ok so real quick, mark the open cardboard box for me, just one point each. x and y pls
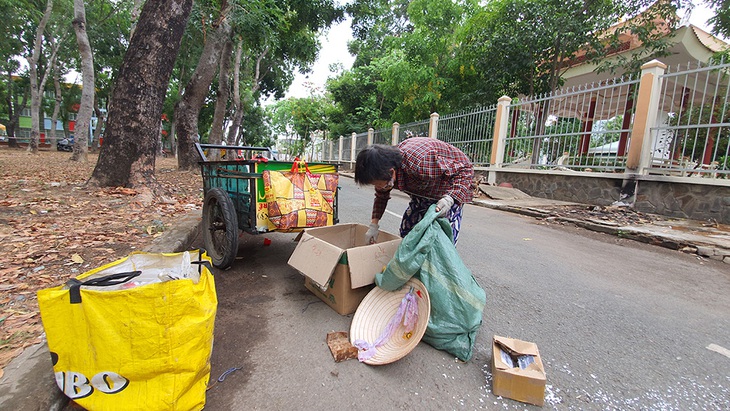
(338, 265)
(517, 370)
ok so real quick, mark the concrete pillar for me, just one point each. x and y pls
(353, 148)
(339, 150)
(647, 106)
(332, 150)
(394, 135)
(433, 125)
(501, 124)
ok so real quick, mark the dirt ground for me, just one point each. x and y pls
(53, 227)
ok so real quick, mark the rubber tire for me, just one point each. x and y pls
(220, 228)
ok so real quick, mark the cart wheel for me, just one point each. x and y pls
(220, 228)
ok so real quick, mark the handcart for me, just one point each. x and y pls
(235, 197)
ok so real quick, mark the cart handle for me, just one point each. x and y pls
(200, 147)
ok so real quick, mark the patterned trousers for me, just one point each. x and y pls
(417, 208)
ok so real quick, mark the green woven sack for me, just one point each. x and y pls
(457, 300)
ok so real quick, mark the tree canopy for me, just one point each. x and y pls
(416, 57)
(412, 58)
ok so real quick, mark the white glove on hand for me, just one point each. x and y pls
(371, 236)
(444, 205)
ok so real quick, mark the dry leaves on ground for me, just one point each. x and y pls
(607, 215)
(53, 227)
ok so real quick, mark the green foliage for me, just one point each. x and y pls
(404, 69)
(422, 56)
(255, 129)
(721, 20)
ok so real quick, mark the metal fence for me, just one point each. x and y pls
(382, 136)
(692, 133)
(347, 149)
(589, 128)
(415, 129)
(582, 128)
(472, 132)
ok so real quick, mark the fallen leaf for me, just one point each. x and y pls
(77, 259)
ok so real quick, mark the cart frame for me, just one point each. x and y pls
(232, 196)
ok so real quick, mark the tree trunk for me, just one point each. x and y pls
(238, 99)
(83, 119)
(236, 109)
(187, 109)
(36, 89)
(134, 14)
(14, 110)
(127, 157)
(173, 127)
(100, 119)
(56, 105)
(160, 144)
(221, 103)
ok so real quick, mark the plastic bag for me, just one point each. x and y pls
(457, 300)
(298, 198)
(145, 347)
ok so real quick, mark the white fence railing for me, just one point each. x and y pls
(692, 133)
(675, 123)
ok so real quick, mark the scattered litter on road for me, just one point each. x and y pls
(223, 376)
(227, 373)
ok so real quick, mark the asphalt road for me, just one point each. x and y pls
(619, 324)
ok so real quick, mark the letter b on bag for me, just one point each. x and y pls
(76, 385)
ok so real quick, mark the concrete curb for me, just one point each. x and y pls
(29, 383)
(658, 236)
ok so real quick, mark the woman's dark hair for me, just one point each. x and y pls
(374, 163)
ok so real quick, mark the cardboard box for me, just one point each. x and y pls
(517, 370)
(339, 266)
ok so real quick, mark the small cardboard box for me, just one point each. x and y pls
(517, 370)
(338, 265)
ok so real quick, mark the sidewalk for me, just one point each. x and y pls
(704, 239)
(28, 383)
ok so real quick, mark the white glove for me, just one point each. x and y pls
(371, 236)
(444, 205)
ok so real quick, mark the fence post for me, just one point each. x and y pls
(501, 121)
(353, 148)
(647, 106)
(339, 151)
(433, 125)
(371, 136)
(394, 134)
(330, 157)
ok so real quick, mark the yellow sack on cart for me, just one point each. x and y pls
(135, 334)
(298, 198)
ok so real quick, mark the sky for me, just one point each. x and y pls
(334, 50)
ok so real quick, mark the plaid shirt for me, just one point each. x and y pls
(430, 169)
